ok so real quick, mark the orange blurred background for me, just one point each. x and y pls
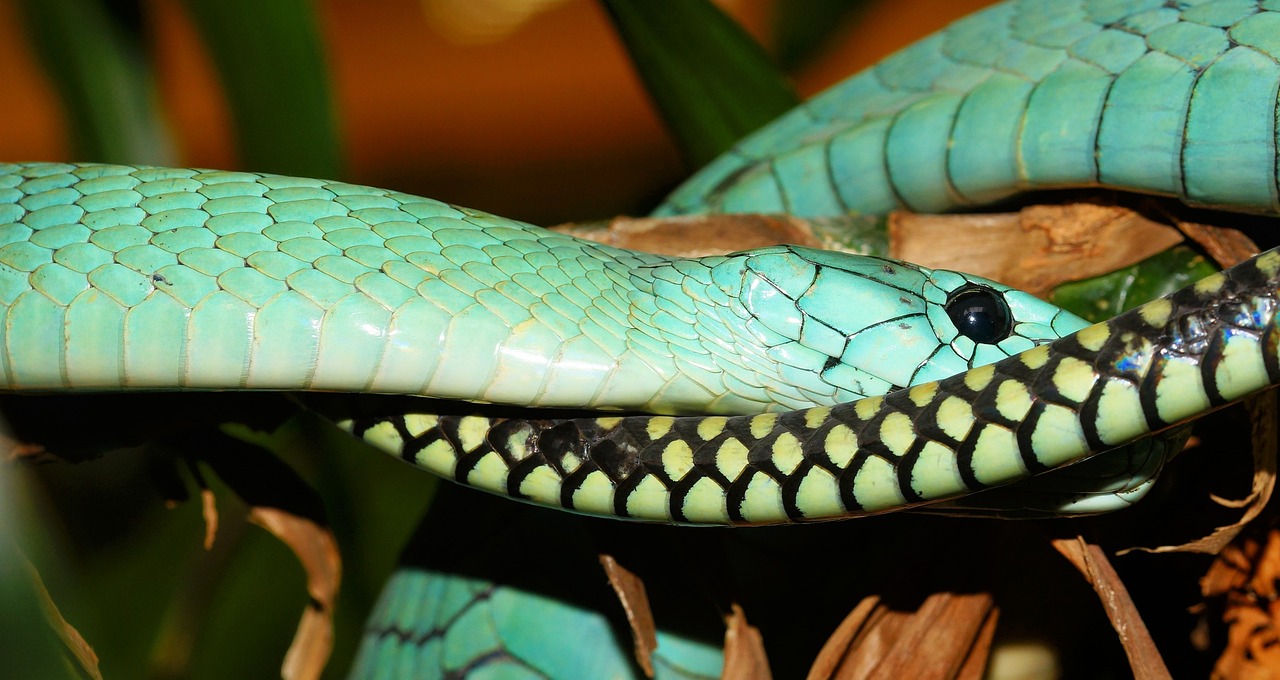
(526, 108)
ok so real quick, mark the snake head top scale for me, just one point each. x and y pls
(839, 327)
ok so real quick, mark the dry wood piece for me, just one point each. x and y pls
(698, 235)
(1228, 247)
(209, 511)
(949, 636)
(70, 637)
(317, 550)
(1265, 435)
(1034, 249)
(635, 602)
(1246, 575)
(1092, 562)
(15, 450)
(744, 656)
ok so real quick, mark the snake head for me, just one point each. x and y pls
(867, 325)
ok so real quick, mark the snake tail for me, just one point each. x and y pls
(1102, 387)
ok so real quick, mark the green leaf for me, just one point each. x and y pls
(1103, 297)
(271, 63)
(100, 73)
(802, 30)
(711, 82)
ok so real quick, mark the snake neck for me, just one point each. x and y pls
(788, 327)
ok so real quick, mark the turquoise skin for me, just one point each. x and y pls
(1092, 108)
(1026, 95)
(117, 277)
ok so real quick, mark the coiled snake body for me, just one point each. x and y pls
(115, 277)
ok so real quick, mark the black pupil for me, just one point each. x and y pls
(980, 314)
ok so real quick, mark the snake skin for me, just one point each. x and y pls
(1170, 98)
(1167, 98)
(116, 277)
(1143, 371)
(1174, 98)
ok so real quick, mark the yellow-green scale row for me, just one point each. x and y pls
(1057, 404)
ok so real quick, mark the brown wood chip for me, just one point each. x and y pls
(1034, 249)
(948, 637)
(1246, 574)
(697, 235)
(209, 511)
(635, 602)
(1092, 562)
(15, 450)
(70, 637)
(838, 646)
(744, 655)
(1228, 247)
(317, 551)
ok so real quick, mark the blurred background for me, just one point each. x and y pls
(526, 108)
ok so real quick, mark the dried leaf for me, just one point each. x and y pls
(700, 235)
(209, 511)
(744, 655)
(876, 642)
(317, 551)
(1264, 414)
(1092, 562)
(975, 664)
(635, 602)
(838, 646)
(937, 641)
(1246, 573)
(697, 235)
(15, 450)
(1228, 247)
(71, 638)
(1034, 249)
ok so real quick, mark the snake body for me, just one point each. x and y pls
(117, 277)
(1141, 372)
(1170, 98)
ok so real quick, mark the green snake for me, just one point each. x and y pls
(1139, 373)
(116, 277)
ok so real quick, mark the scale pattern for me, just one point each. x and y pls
(1171, 98)
(117, 277)
(1107, 385)
(444, 625)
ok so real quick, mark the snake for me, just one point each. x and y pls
(1139, 373)
(134, 278)
(1170, 98)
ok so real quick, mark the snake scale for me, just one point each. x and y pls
(1141, 372)
(118, 277)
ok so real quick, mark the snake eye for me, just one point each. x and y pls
(980, 314)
